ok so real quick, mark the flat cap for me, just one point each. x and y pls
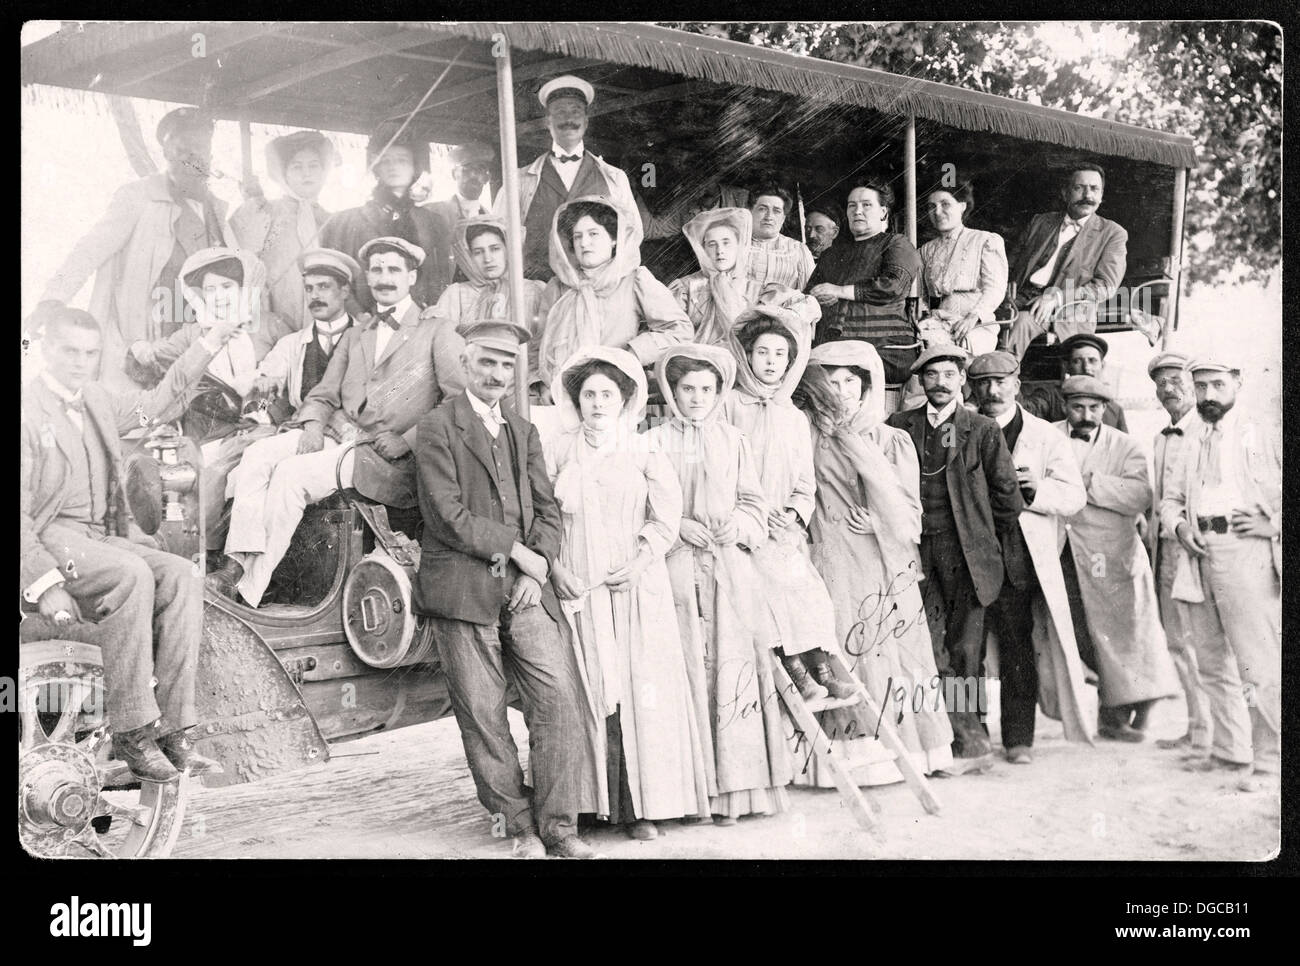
(391, 243)
(566, 85)
(993, 364)
(1214, 363)
(183, 118)
(472, 151)
(1085, 386)
(498, 334)
(1084, 338)
(953, 353)
(329, 261)
(1166, 360)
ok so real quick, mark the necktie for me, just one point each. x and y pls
(1171, 431)
(389, 318)
(1080, 434)
(1211, 473)
(1069, 228)
(567, 158)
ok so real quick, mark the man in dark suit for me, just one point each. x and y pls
(397, 160)
(491, 533)
(1067, 256)
(970, 502)
(1082, 354)
(85, 567)
(357, 425)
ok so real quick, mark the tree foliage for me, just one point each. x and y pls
(1220, 83)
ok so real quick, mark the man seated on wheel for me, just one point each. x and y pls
(355, 429)
(86, 568)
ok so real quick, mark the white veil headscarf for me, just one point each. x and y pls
(236, 364)
(493, 299)
(726, 295)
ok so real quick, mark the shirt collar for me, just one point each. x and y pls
(467, 202)
(937, 416)
(1078, 221)
(399, 310)
(482, 408)
(1004, 420)
(1187, 419)
(556, 150)
(59, 389)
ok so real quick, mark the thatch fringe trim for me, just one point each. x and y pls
(728, 62)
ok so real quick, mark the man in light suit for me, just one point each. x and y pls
(491, 534)
(1174, 390)
(85, 567)
(357, 425)
(1032, 603)
(1066, 256)
(970, 503)
(135, 251)
(1223, 501)
(565, 172)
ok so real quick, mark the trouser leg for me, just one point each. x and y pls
(539, 666)
(248, 485)
(1217, 666)
(216, 481)
(956, 619)
(1182, 649)
(1011, 618)
(471, 657)
(114, 589)
(296, 482)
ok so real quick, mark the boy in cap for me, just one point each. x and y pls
(566, 172)
(278, 231)
(1107, 574)
(139, 245)
(397, 157)
(1224, 503)
(966, 516)
(491, 534)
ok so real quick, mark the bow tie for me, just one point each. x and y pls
(77, 405)
(566, 158)
(1080, 434)
(1171, 431)
(389, 319)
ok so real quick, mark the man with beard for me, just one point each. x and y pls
(491, 535)
(970, 504)
(823, 228)
(566, 172)
(357, 427)
(1232, 741)
(397, 157)
(1067, 256)
(472, 166)
(862, 286)
(1032, 605)
(1107, 574)
(1081, 355)
(1223, 501)
(136, 250)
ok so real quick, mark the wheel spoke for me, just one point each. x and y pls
(135, 814)
(90, 743)
(76, 693)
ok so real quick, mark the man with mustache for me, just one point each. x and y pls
(357, 426)
(823, 229)
(1107, 574)
(1066, 256)
(565, 172)
(472, 168)
(136, 250)
(970, 504)
(1081, 355)
(397, 157)
(1032, 607)
(1223, 501)
(1231, 740)
(492, 533)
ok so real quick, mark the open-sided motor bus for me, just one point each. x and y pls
(337, 653)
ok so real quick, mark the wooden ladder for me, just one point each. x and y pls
(804, 714)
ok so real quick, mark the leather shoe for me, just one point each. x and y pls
(838, 689)
(1214, 763)
(572, 847)
(1120, 732)
(643, 830)
(809, 689)
(141, 754)
(1172, 744)
(724, 820)
(180, 752)
(225, 580)
(1020, 755)
(528, 845)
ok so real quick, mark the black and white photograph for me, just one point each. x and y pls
(691, 442)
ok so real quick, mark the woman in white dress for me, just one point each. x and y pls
(651, 754)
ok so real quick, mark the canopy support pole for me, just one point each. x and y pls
(514, 225)
(245, 153)
(909, 183)
(1176, 255)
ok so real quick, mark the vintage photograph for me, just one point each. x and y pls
(662, 441)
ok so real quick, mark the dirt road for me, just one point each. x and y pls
(408, 795)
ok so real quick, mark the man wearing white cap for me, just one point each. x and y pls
(1107, 574)
(357, 425)
(1223, 501)
(1231, 738)
(565, 172)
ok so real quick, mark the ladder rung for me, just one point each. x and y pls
(818, 705)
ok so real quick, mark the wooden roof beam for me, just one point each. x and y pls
(224, 40)
(404, 54)
(469, 89)
(670, 92)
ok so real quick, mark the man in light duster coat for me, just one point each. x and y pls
(1044, 463)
